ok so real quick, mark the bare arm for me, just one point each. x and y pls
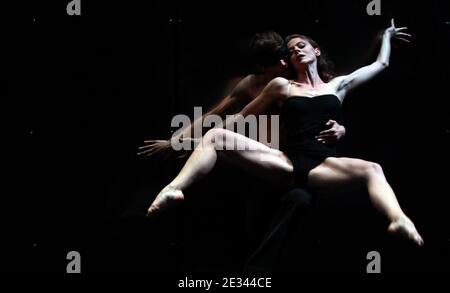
(273, 92)
(237, 97)
(348, 82)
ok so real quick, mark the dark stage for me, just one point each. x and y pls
(83, 92)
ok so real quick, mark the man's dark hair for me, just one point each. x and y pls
(267, 48)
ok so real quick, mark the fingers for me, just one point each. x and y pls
(149, 150)
(400, 34)
(150, 143)
(147, 153)
(404, 34)
(146, 146)
(141, 150)
(182, 155)
(405, 40)
(331, 134)
(331, 121)
(143, 157)
(326, 132)
(153, 145)
(150, 153)
(327, 139)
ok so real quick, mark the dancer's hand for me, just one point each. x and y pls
(333, 134)
(397, 33)
(153, 147)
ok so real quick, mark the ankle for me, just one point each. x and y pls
(398, 218)
(172, 187)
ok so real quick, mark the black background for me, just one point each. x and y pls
(82, 93)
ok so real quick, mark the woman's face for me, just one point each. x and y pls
(302, 52)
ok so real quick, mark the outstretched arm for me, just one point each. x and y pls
(366, 73)
(234, 101)
(237, 97)
(274, 91)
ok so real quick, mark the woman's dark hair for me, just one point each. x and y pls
(267, 48)
(324, 65)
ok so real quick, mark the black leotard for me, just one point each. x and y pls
(304, 118)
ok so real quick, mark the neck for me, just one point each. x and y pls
(309, 76)
(268, 76)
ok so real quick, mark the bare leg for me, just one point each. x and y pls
(336, 174)
(259, 159)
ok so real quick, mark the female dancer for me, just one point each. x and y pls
(306, 102)
(269, 54)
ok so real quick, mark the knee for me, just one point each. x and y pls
(370, 169)
(214, 137)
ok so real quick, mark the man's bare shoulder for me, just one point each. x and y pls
(244, 85)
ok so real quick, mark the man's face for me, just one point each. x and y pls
(278, 70)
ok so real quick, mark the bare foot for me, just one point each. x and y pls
(404, 227)
(166, 198)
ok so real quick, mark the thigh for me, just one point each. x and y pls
(337, 175)
(262, 161)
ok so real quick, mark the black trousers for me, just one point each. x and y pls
(295, 206)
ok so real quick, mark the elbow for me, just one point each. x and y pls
(383, 64)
